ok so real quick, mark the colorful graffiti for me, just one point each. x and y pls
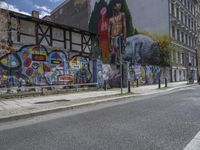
(111, 73)
(148, 74)
(34, 65)
(8, 58)
(34, 61)
(59, 70)
(80, 69)
(113, 26)
(99, 72)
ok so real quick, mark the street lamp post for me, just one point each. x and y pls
(121, 63)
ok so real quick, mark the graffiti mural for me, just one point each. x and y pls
(34, 65)
(111, 73)
(9, 62)
(141, 49)
(9, 58)
(148, 74)
(113, 26)
(165, 73)
(34, 62)
(112, 21)
(58, 70)
(99, 67)
(80, 69)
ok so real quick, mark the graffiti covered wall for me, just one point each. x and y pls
(80, 69)
(35, 65)
(148, 74)
(111, 74)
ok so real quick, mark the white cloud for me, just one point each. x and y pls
(10, 7)
(44, 8)
(55, 1)
(44, 13)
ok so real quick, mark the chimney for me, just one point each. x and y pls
(35, 14)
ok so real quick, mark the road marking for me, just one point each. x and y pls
(194, 143)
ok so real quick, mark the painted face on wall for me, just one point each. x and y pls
(117, 7)
(103, 11)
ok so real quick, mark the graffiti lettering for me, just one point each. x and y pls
(34, 65)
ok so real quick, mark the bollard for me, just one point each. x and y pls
(129, 86)
(165, 82)
(105, 85)
(137, 83)
(159, 84)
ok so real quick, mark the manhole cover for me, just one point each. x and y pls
(55, 101)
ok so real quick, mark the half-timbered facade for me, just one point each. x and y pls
(41, 52)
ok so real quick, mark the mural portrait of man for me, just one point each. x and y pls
(117, 31)
(112, 21)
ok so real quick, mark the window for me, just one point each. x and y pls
(186, 39)
(189, 41)
(179, 58)
(186, 20)
(183, 58)
(193, 60)
(185, 2)
(195, 26)
(191, 6)
(182, 37)
(189, 25)
(177, 12)
(173, 32)
(195, 43)
(172, 9)
(195, 63)
(174, 56)
(178, 34)
(192, 24)
(182, 20)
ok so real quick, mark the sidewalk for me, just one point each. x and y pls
(26, 107)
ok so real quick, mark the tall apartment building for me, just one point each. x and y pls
(198, 42)
(174, 18)
(184, 36)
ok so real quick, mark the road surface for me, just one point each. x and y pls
(155, 122)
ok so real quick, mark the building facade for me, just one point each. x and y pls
(198, 43)
(75, 13)
(184, 36)
(175, 18)
(39, 52)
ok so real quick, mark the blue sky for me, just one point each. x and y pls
(26, 6)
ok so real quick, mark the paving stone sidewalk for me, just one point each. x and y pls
(17, 107)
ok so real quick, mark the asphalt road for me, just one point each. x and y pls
(157, 122)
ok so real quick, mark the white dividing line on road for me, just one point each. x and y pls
(194, 144)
